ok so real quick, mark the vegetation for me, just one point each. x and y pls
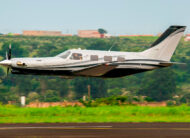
(13, 114)
(159, 91)
(158, 85)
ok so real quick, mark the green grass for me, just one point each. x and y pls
(94, 114)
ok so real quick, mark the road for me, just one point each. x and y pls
(93, 130)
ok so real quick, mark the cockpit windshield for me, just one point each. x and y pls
(64, 54)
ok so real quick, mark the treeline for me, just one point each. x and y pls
(158, 85)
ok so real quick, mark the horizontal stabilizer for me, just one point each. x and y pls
(171, 63)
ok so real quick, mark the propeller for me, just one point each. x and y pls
(7, 71)
(8, 57)
(9, 52)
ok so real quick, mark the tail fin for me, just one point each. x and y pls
(164, 47)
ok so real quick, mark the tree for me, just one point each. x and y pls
(51, 96)
(17, 50)
(159, 85)
(100, 44)
(46, 50)
(185, 98)
(98, 87)
(102, 31)
(22, 85)
(61, 86)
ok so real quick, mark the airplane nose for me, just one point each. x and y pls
(5, 63)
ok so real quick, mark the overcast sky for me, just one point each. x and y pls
(116, 16)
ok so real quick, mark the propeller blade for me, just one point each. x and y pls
(9, 52)
(7, 71)
(6, 55)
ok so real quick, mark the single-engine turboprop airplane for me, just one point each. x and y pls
(96, 63)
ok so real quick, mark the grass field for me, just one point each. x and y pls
(10, 114)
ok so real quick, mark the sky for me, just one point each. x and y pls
(116, 16)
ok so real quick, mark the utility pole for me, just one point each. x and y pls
(88, 92)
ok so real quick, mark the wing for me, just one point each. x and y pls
(95, 71)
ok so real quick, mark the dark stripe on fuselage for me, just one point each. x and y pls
(138, 64)
(111, 74)
(41, 72)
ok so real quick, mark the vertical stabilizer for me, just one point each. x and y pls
(164, 47)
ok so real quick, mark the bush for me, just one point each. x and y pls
(114, 92)
(50, 96)
(148, 99)
(33, 96)
(112, 100)
(171, 103)
(185, 98)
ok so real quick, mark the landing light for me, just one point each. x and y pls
(19, 63)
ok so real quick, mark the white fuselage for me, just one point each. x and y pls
(64, 63)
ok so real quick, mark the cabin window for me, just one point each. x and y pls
(108, 58)
(76, 56)
(120, 59)
(94, 58)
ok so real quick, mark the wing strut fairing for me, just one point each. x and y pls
(96, 71)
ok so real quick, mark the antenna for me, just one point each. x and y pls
(111, 48)
(112, 45)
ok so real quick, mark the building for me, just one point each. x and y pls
(16, 34)
(135, 35)
(90, 34)
(187, 37)
(66, 35)
(42, 33)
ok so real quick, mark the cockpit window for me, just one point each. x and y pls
(76, 56)
(64, 54)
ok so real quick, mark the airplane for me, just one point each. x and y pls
(97, 63)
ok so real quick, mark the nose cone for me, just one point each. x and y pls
(5, 63)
